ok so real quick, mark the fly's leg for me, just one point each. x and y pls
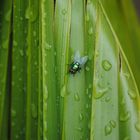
(79, 69)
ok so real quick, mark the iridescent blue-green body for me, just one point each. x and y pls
(74, 67)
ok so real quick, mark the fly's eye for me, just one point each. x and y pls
(77, 63)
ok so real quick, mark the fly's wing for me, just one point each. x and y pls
(77, 57)
(83, 60)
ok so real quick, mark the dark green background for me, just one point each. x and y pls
(137, 5)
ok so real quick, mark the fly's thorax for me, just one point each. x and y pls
(76, 66)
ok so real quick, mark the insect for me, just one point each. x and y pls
(77, 64)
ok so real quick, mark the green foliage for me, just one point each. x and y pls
(40, 99)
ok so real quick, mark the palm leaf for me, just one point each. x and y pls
(115, 102)
(40, 98)
(5, 47)
(33, 90)
(50, 128)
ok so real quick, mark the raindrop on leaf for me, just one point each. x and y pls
(106, 65)
(126, 138)
(34, 111)
(21, 52)
(8, 16)
(137, 126)
(132, 94)
(79, 129)
(108, 130)
(13, 113)
(5, 44)
(87, 68)
(107, 99)
(15, 43)
(100, 93)
(63, 91)
(113, 123)
(64, 11)
(124, 116)
(76, 97)
(90, 31)
(81, 117)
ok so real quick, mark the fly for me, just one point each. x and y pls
(77, 64)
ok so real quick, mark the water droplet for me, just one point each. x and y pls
(45, 95)
(54, 53)
(108, 130)
(126, 138)
(13, 124)
(88, 1)
(87, 91)
(64, 11)
(100, 93)
(45, 126)
(89, 96)
(24, 89)
(13, 68)
(15, 43)
(123, 101)
(107, 99)
(55, 69)
(124, 116)
(13, 83)
(79, 129)
(21, 18)
(76, 97)
(20, 79)
(132, 94)
(31, 14)
(28, 13)
(8, 16)
(63, 91)
(34, 111)
(35, 63)
(87, 106)
(81, 117)
(137, 126)
(34, 33)
(45, 72)
(21, 52)
(47, 46)
(127, 75)
(97, 53)
(17, 136)
(63, 54)
(81, 138)
(90, 31)
(113, 123)
(87, 18)
(5, 44)
(45, 138)
(89, 125)
(13, 113)
(87, 68)
(90, 86)
(106, 65)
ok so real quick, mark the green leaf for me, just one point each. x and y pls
(76, 105)
(61, 42)
(33, 73)
(5, 32)
(50, 114)
(19, 72)
(126, 25)
(115, 102)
